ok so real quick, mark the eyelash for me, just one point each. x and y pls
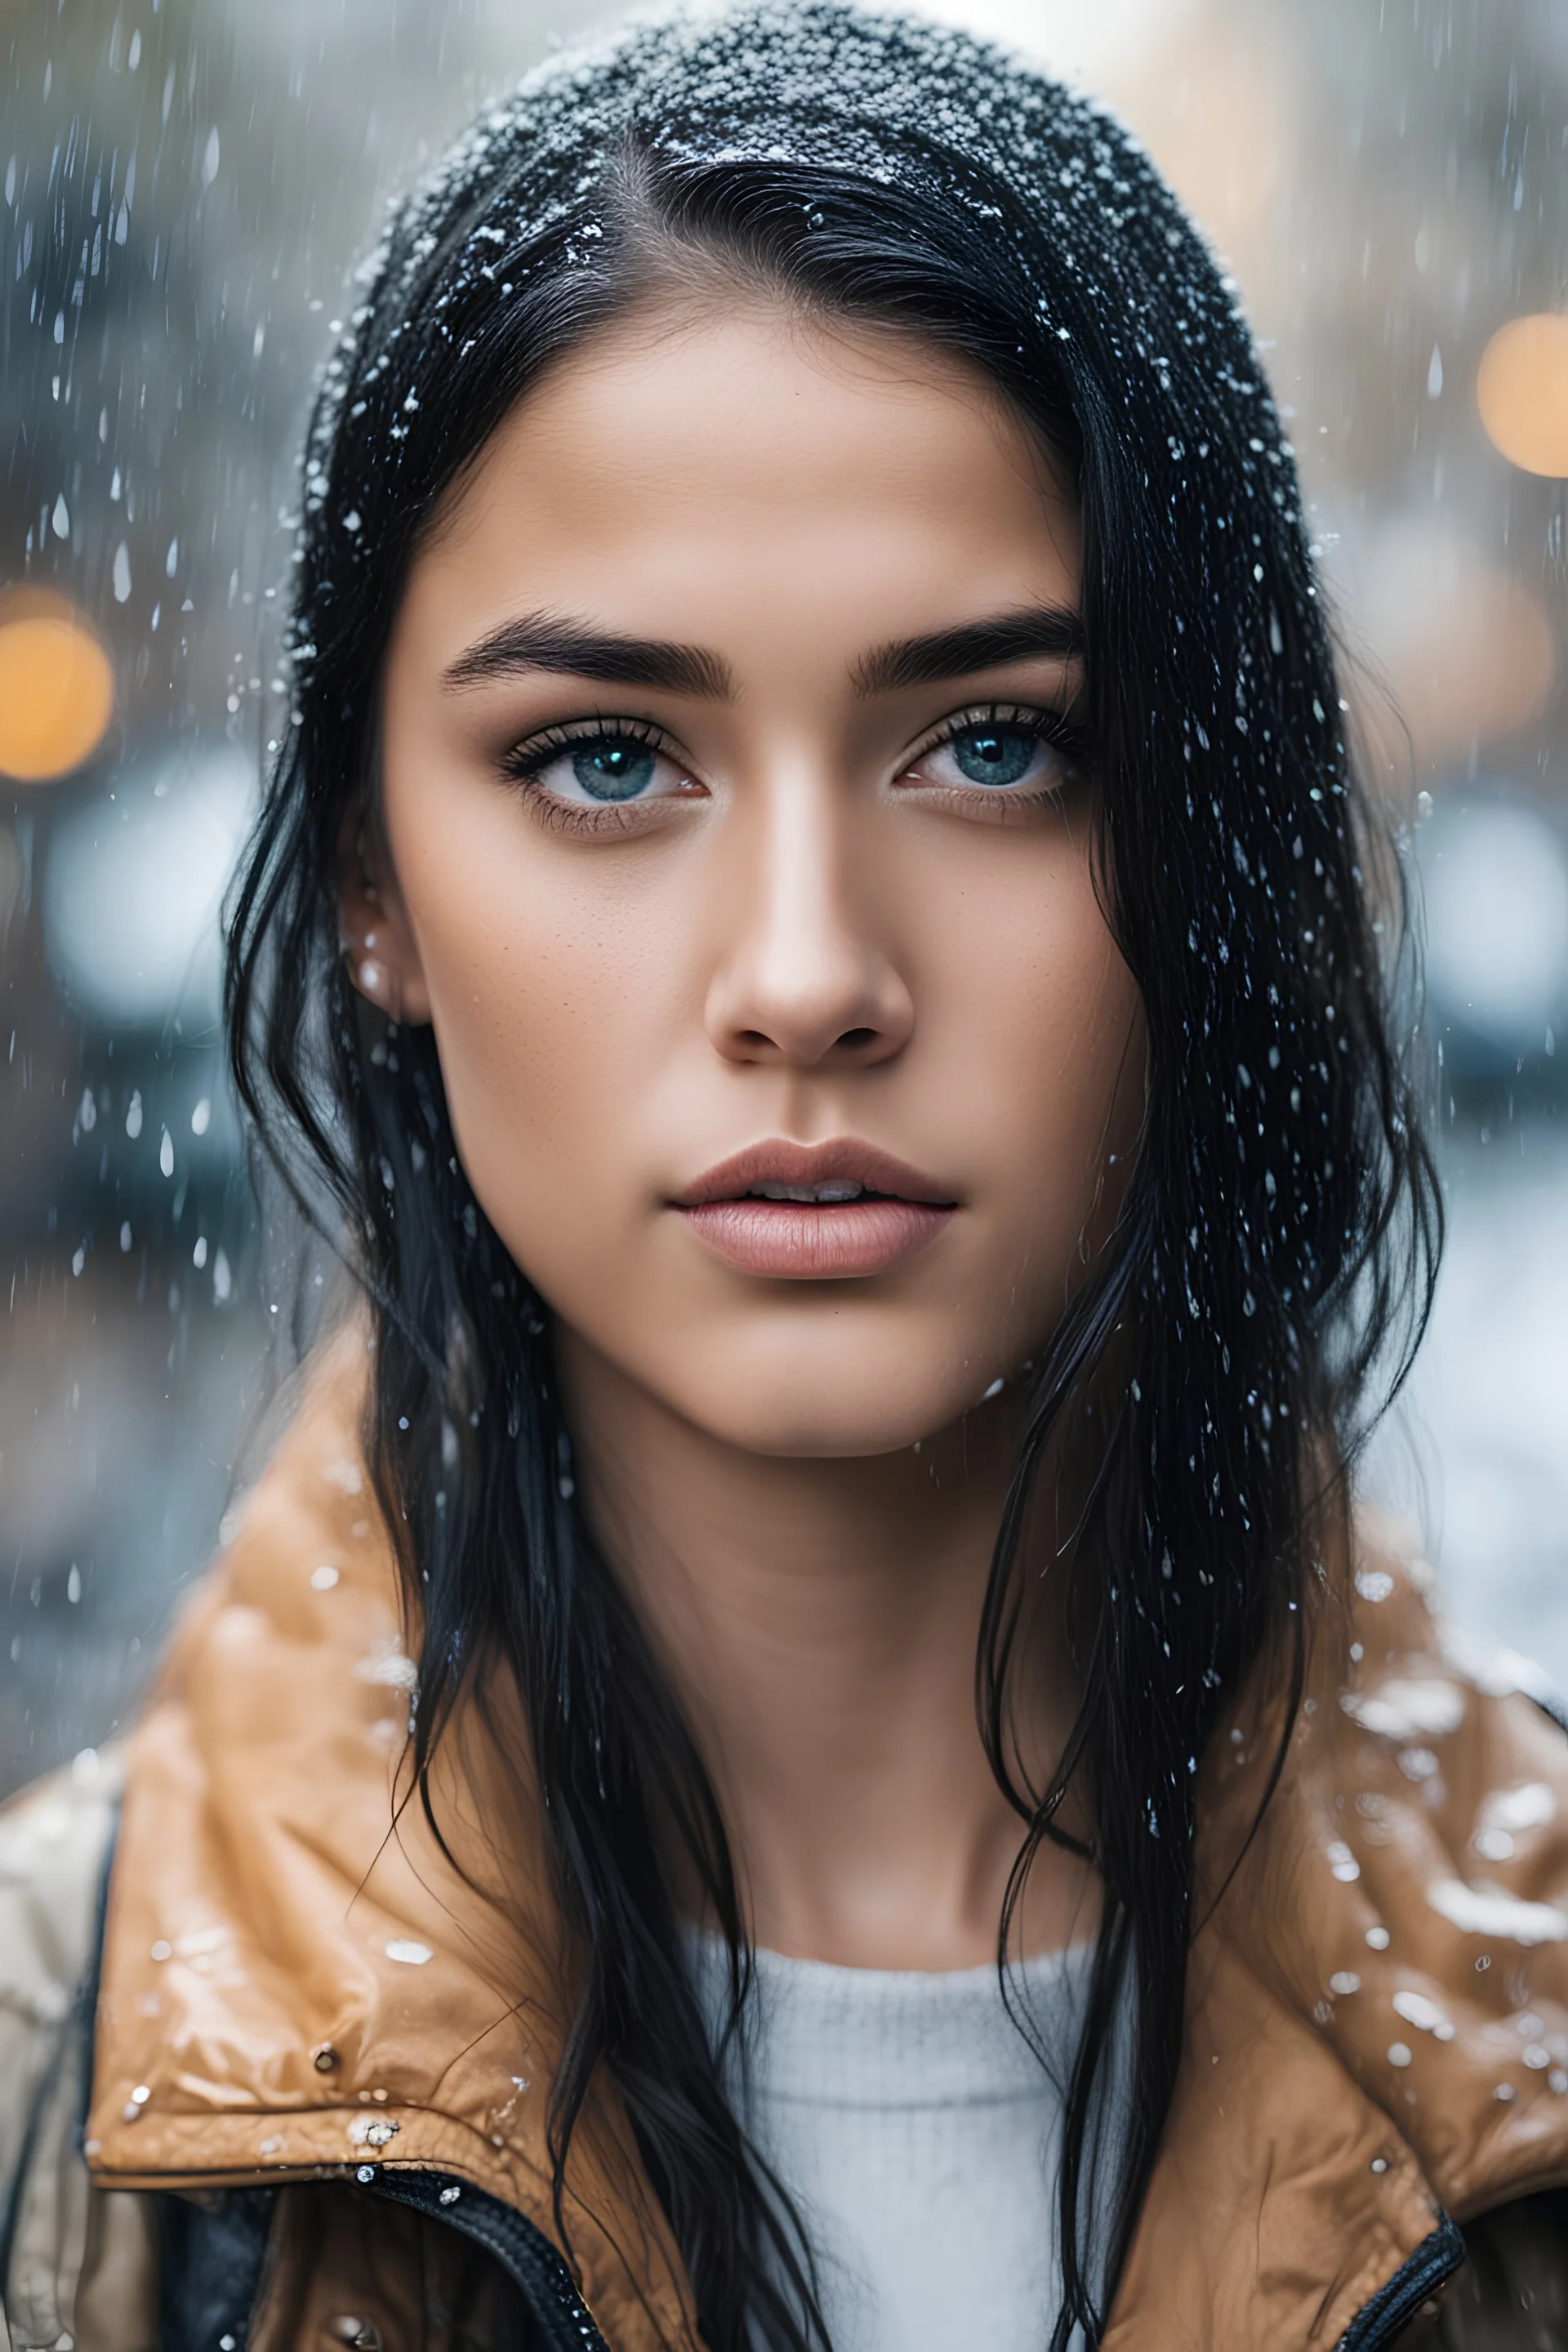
(527, 761)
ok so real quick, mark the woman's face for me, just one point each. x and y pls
(736, 848)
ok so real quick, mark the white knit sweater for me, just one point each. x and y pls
(917, 2134)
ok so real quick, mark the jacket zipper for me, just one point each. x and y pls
(523, 2252)
(1381, 2320)
(536, 2268)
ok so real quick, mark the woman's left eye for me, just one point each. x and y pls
(998, 754)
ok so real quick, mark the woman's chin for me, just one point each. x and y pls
(826, 1420)
(838, 1387)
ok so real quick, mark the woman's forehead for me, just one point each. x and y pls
(650, 478)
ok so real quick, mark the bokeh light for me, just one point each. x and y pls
(133, 888)
(1496, 884)
(56, 687)
(1523, 391)
(1467, 649)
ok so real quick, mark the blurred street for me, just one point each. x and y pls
(1477, 1452)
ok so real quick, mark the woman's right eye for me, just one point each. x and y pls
(606, 770)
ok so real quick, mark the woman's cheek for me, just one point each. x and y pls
(536, 1043)
(1049, 1019)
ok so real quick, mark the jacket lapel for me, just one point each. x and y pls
(297, 1980)
(1377, 2028)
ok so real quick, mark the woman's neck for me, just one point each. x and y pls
(818, 1621)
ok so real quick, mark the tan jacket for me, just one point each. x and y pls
(301, 1996)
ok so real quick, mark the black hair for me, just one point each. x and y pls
(1270, 1269)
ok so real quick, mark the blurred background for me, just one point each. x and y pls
(187, 184)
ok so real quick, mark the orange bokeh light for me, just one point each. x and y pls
(56, 687)
(1522, 390)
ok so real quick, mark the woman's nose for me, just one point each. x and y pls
(803, 977)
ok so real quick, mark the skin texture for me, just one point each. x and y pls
(817, 928)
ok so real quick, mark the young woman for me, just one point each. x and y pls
(798, 1746)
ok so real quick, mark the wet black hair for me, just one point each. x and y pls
(1271, 1267)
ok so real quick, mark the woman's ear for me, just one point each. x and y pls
(377, 937)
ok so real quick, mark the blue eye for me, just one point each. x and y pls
(614, 767)
(1020, 758)
(995, 754)
(603, 772)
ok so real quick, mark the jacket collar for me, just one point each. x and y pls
(297, 1980)
(1377, 2009)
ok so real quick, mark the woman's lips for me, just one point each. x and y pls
(824, 1240)
(820, 1245)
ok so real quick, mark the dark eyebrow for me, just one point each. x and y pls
(977, 644)
(548, 642)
